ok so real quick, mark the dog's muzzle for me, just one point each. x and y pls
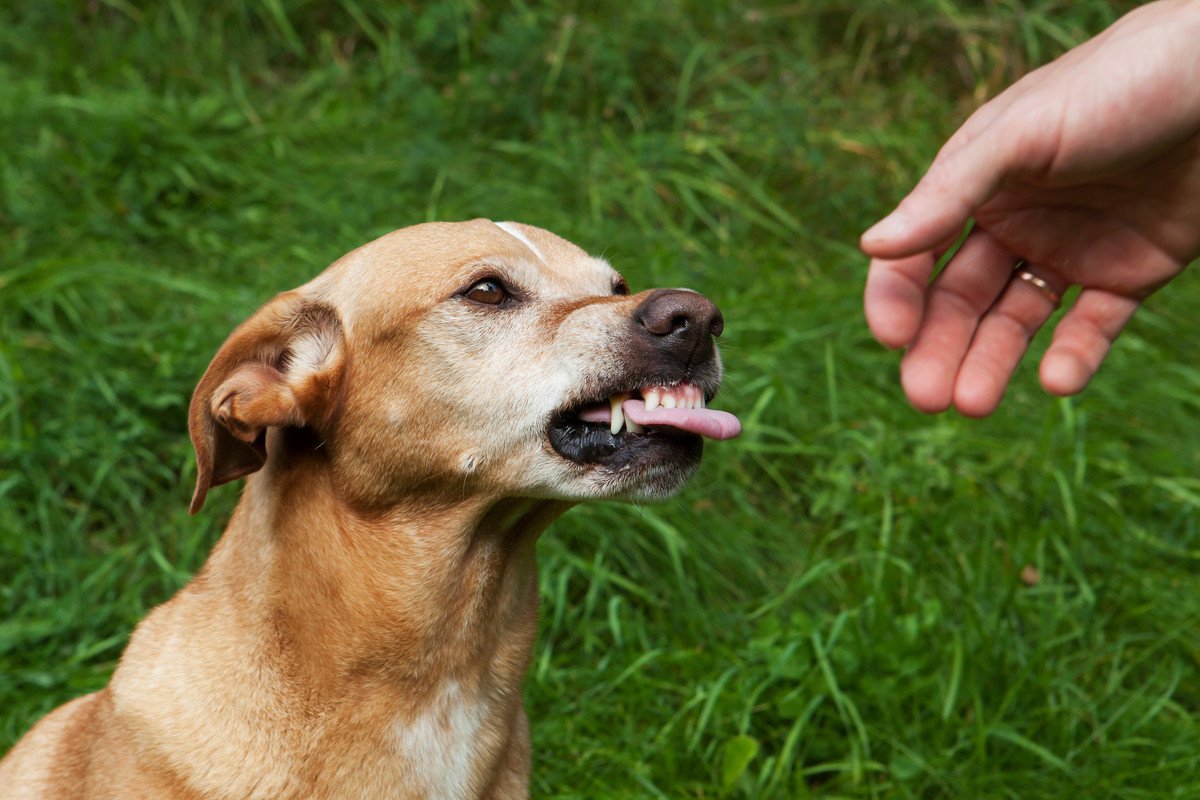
(656, 408)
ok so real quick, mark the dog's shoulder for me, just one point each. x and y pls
(52, 761)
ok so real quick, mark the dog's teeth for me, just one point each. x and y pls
(652, 399)
(703, 404)
(618, 415)
(634, 427)
(668, 400)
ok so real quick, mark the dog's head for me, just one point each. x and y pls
(476, 356)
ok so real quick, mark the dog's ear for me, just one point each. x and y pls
(281, 367)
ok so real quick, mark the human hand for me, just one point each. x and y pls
(1085, 172)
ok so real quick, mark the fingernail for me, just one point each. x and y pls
(893, 225)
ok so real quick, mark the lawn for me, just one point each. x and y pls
(853, 600)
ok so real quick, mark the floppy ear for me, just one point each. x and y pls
(281, 367)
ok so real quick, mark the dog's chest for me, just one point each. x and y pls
(443, 745)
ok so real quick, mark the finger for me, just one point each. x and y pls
(957, 183)
(1083, 338)
(894, 300)
(956, 301)
(1001, 339)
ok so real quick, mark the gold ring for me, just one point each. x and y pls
(1045, 288)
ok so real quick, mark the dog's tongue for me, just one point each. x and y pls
(703, 421)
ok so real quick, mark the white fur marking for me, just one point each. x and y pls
(439, 743)
(311, 352)
(512, 231)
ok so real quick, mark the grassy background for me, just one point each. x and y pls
(836, 607)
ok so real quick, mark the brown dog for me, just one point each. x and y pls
(411, 420)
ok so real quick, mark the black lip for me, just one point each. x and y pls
(595, 443)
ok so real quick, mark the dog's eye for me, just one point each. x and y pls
(620, 287)
(487, 292)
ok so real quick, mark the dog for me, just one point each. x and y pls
(408, 423)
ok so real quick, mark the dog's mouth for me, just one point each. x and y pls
(623, 427)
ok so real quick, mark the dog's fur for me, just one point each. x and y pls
(363, 627)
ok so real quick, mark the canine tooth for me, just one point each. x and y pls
(652, 399)
(618, 415)
(634, 427)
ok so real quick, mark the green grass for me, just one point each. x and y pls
(835, 607)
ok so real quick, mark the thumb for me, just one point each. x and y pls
(960, 180)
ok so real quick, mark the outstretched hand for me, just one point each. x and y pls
(1084, 173)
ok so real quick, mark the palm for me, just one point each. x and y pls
(1128, 234)
(1084, 173)
(1119, 239)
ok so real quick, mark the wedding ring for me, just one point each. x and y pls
(1039, 283)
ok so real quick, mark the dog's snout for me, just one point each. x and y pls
(680, 322)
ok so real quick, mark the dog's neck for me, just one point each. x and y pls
(412, 626)
(428, 590)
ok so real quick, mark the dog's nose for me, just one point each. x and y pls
(681, 322)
